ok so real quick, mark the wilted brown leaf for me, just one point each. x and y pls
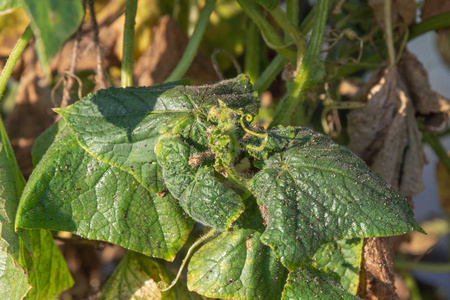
(402, 11)
(164, 53)
(385, 134)
(415, 77)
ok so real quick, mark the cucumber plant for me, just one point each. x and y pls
(139, 166)
(284, 210)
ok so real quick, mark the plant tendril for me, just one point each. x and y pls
(265, 136)
(162, 285)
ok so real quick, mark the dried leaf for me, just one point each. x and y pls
(385, 134)
(402, 11)
(164, 53)
(415, 77)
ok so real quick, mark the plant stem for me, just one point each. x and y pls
(194, 42)
(278, 63)
(4, 77)
(252, 51)
(433, 141)
(192, 17)
(269, 74)
(13, 58)
(269, 33)
(423, 266)
(308, 22)
(388, 32)
(283, 20)
(292, 11)
(162, 285)
(432, 23)
(309, 67)
(128, 44)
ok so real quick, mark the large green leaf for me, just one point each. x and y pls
(201, 194)
(342, 257)
(13, 280)
(71, 190)
(9, 200)
(53, 21)
(307, 282)
(32, 251)
(137, 277)
(316, 191)
(45, 140)
(47, 271)
(122, 126)
(236, 265)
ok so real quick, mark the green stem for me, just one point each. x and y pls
(269, 74)
(4, 77)
(283, 20)
(433, 23)
(192, 17)
(308, 22)
(162, 285)
(128, 44)
(423, 266)
(433, 141)
(13, 58)
(308, 68)
(194, 42)
(388, 32)
(292, 11)
(271, 36)
(252, 51)
(278, 63)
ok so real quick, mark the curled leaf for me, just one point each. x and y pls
(385, 134)
(200, 194)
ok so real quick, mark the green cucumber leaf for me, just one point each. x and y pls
(47, 271)
(53, 22)
(45, 140)
(342, 257)
(32, 251)
(236, 265)
(316, 191)
(307, 282)
(201, 194)
(9, 200)
(121, 126)
(137, 277)
(13, 280)
(71, 190)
